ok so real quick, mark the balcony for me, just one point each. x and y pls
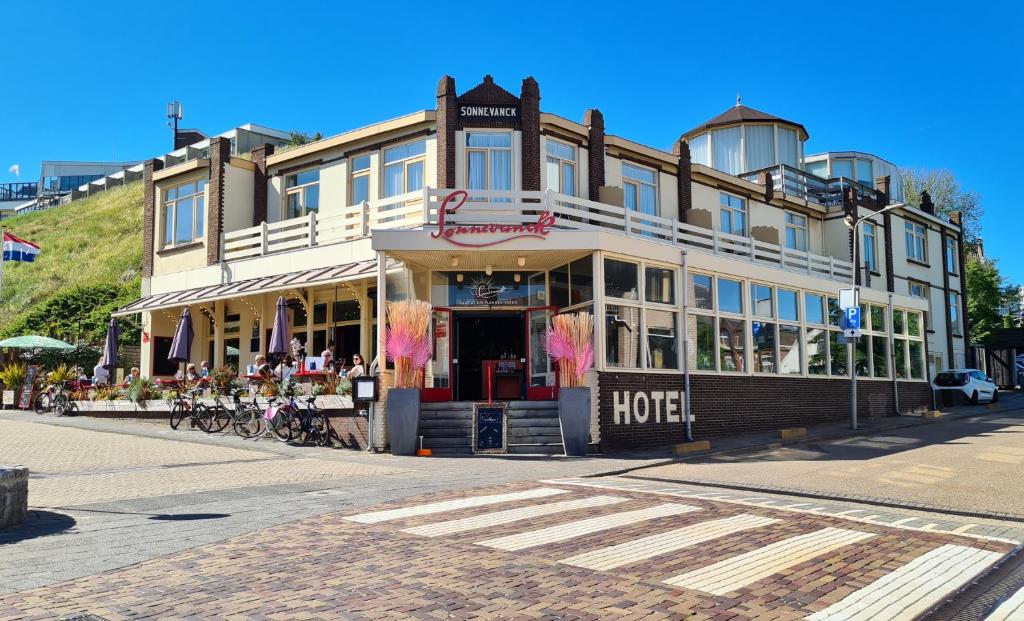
(828, 193)
(420, 209)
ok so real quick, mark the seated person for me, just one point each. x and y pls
(358, 367)
(284, 370)
(191, 374)
(204, 369)
(100, 375)
(262, 367)
(132, 376)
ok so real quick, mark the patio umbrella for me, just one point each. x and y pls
(279, 337)
(32, 341)
(181, 346)
(109, 359)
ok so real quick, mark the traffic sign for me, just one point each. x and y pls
(850, 318)
(852, 333)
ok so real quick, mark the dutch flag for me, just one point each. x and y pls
(17, 249)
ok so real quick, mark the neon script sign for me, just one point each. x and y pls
(459, 234)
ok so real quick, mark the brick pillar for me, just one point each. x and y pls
(969, 354)
(766, 179)
(945, 294)
(259, 183)
(883, 186)
(530, 120)
(684, 179)
(594, 121)
(447, 123)
(220, 153)
(149, 214)
(850, 209)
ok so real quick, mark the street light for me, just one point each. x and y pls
(852, 352)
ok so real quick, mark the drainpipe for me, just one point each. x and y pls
(892, 363)
(686, 348)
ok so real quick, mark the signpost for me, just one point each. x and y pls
(25, 400)
(489, 428)
(849, 321)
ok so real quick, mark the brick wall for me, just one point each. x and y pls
(351, 428)
(447, 122)
(724, 405)
(530, 126)
(259, 183)
(149, 214)
(594, 121)
(685, 179)
(220, 153)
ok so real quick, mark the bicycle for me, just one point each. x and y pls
(54, 399)
(280, 420)
(190, 406)
(248, 419)
(220, 416)
(313, 425)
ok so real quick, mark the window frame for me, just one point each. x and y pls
(916, 234)
(362, 173)
(405, 163)
(638, 184)
(170, 208)
(724, 207)
(797, 229)
(951, 256)
(561, 161)
(643, 307)
(300, 190)
(870, 231)
(487, 158)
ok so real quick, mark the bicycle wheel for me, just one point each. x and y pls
(72, 409)
(60, 404)
(248, 422)
(281, 425)
(201, 417)
(42, 403)
(178, 414)
(220, 418)
(320, 430)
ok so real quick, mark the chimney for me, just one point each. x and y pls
(594, 121)
(684, 179)
(882, 188)
(447, 123)
(530, 133)
(927, 205)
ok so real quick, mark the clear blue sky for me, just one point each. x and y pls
(934, 85)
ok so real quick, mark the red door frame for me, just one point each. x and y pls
(537, 393)
(440, 394)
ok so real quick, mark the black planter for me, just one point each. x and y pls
(574, 420)
(403, 420)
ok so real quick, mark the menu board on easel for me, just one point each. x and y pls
(489, 428)
(25, 399)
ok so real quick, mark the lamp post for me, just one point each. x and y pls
(852, 351)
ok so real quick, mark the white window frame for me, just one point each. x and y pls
(561, 161)
(951, 255)
(926, 295)
(300, 191)
(405, 163)
(487, 158)
(170, 206)
(800, 231)
(640, 183)
(871, 253)
(359, 174)
(955, 314)
(642, 306)
(724, 208)
(916, 237)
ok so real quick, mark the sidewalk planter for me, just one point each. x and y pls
(574, 420)
(403, 420)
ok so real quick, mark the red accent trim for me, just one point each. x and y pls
(12, 238)
(537, 393)
(440, 394)
(448, 233)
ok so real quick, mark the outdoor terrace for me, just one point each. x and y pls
(420, 210)
(828, 193)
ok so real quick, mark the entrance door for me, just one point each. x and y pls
(541, 379)
(437, 378)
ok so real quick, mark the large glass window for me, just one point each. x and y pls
(662, 340)
(302, 193)
(701, 331)
(789, 349)
(788, 310)
(917, 242)
(701, 292)
(759, 144)
(730, 296)
(360, 179)
(732, 341)
(817, 352)
(761, 300)
(640, 187)
(870, 245)
(489, 160)
(184, 213)
(763, 347)
(561, 167)
(622, 336)
(813, 308)
(725, 144)
(620, 279)
(796, 232)
(660, 285)
(733, 212)
(837, 354)
(879, 356)
(403, 168)
(699, 153)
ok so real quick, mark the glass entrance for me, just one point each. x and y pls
(437, 380)
(542, 381)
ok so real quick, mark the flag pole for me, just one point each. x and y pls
(3, 240)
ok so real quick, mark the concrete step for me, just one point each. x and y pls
(532, 422)
(434, 442)
(536, 449)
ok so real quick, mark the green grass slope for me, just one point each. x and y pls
(90, 264)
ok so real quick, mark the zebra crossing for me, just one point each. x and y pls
(903, 592)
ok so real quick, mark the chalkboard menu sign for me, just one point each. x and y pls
(25, 400)
(489, 428)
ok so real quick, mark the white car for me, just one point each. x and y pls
(973, 384)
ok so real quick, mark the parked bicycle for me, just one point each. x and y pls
(289, 422)
(55, 399)
(189, 405)
(248, 420)
(220, 416)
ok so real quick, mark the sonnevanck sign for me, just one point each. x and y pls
(506, 111)
(466, 235)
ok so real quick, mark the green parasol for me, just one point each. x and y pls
(33, 341)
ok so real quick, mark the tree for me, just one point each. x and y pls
(947, 196)
(300, 138)
(984, 296)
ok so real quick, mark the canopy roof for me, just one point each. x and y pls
(33, 341)
(744, 114)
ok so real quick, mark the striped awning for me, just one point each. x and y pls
(253, 286)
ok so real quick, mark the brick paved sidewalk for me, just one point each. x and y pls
(520, 551)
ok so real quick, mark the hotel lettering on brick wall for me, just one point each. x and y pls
(502, 215)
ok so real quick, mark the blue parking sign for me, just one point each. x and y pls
(851, 318)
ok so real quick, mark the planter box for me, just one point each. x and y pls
(8, 402)
(334, 402)
(574, 420)
(403, 415)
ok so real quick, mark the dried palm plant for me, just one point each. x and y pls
(407, 340)
(570, 342)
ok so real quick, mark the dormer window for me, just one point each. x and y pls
(302, 193)
(640, 186)
(561, 167)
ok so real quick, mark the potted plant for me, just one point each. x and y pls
(570, 342)
(407, 345)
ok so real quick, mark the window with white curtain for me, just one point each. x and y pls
(302, 193)
(489, 160)
(796, 232)
(403, 168)
(700, 152)
(725, 144)
(789, 147)
(917, 242)
(733, 214)
(870, 245)
(360, 186)
(561, 167)
(640, 188)
(760, 147)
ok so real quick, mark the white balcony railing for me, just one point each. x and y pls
(420, 209)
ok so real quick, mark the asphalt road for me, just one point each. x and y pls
(972, 464)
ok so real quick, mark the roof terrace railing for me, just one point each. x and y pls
(19, 191)
(825, 192)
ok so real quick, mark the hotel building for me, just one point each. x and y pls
(502, 215)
